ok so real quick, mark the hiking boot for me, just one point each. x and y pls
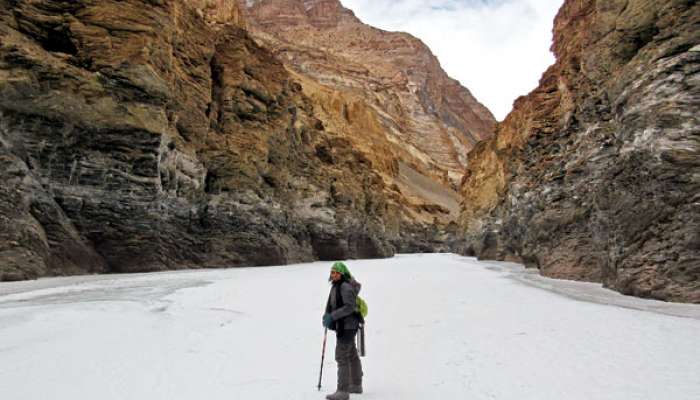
(338, 395)
(357, 389)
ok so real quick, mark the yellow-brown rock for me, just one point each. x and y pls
(375, 87)
(218, 11)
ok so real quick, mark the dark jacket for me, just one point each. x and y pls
(341, 305)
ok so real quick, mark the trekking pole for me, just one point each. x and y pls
(323, 355)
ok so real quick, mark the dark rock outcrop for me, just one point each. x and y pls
(595, 175)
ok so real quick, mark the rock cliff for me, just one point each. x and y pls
(156, 134)
(595, 175)
(374, 87)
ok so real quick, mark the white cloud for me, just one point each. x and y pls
(498, 49)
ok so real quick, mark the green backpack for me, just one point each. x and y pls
(361, 307)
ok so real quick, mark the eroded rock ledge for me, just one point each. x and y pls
(595, 175)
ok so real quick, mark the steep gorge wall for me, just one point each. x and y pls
(595, 175)
(385, 93)
(152, 135)
(374, 86)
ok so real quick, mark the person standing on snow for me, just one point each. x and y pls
(342, 317)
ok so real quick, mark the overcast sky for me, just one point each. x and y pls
(498, 49)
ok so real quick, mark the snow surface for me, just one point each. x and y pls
(439, 327)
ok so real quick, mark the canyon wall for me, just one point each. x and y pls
(374, 87)
(595, 175)
(153, 135)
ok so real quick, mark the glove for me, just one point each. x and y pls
(327, 320)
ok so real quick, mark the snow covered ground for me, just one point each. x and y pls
(439, 327)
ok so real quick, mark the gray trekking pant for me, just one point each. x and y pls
(349, 365)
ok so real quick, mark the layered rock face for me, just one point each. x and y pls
(379, 89)
(595, 175)
(151, 135)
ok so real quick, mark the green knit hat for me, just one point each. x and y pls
(342, 269)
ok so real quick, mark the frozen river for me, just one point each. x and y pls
(439, 327)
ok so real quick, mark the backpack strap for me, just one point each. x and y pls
(339, 324)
